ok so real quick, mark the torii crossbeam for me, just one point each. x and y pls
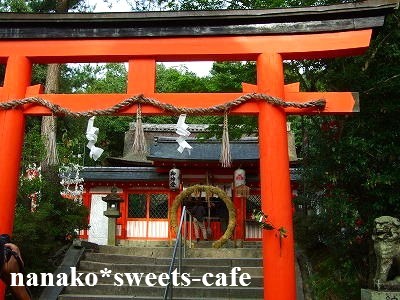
(265, 36)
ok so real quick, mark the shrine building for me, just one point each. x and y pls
(147, 189)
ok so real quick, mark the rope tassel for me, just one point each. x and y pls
(225, 158)
(139, 142)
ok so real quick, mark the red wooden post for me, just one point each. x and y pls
(278, 258)
(17, 79)
(12, 125)
(124, 213)
(239, 230)
(172, 196)
(141, 76)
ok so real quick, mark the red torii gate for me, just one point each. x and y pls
(142, 53)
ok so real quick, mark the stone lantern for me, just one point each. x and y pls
(112, 212)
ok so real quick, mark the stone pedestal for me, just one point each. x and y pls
(112, 225)
(111, 231)
(379, 295)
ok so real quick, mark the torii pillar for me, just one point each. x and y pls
(278, 256)
(12, 125)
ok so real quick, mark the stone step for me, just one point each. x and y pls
(126, 297)
(224, 252)
(157, 291)
(252, 244)
(156, 259)
(145, 244)
(208, 244)
(92, 266)
(137, 251)
(166, 252)
(255, 281)
(127, 259)
(228, 244)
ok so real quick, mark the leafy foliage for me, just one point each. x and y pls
(42, 6)
(224, 77)
(40, 233)
(351, 166)
(176, 80)
(94, 78)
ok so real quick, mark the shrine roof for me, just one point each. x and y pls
(243, 150)
(349, 16)
(150, 174)
(122, 174)
(210, 150)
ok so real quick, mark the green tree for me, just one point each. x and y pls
(42, 231)
(351, 166)
(42, 6)
(175, 80)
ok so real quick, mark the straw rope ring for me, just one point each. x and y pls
(210, 190)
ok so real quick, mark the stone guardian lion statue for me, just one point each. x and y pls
(386, 238)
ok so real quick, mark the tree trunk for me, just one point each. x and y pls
(49, 124)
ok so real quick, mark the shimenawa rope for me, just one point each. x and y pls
(141, 99)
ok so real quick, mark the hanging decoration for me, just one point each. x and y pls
(211, 190)
(174, 178)
(139, 141)
(225, 158)
(181, 129)
(91, 135)
(239, 177)
(33, 173)
(72, 182)
(181, 126)
(262, 220)
(183, 145)
(241, 189)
